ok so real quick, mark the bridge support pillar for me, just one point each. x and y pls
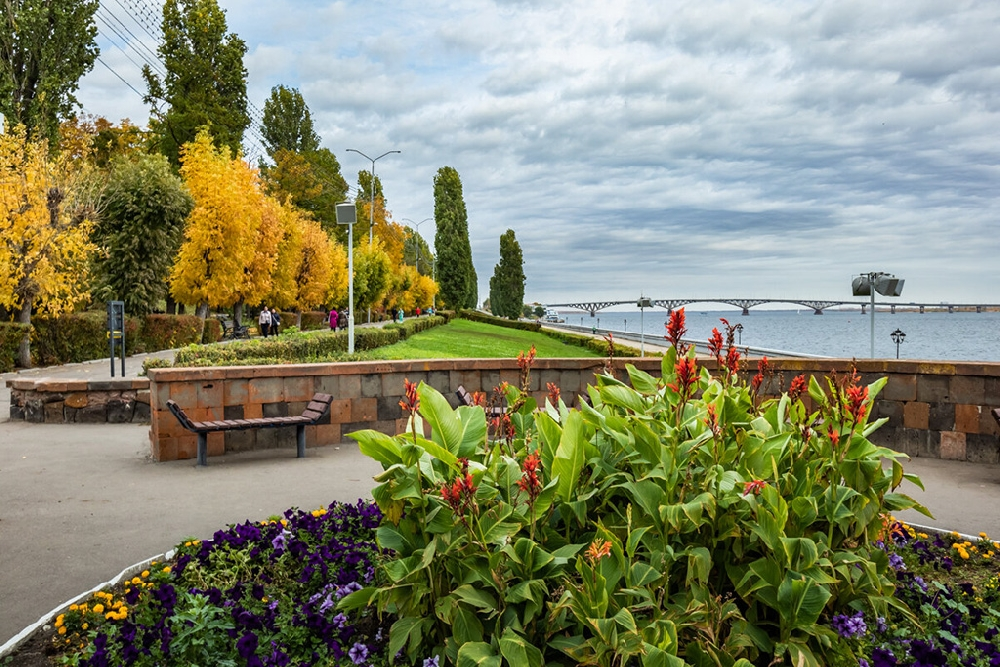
(817, 311)
(592, 313)
(979, 309)
(951, 309)
(746, 311)
(864, 309)
(892, 309)
(921, 308)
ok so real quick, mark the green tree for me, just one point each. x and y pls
(312, 182)
(205, 84)
(45, 47)
(287, 123)
(456, 275)
(507, 283)
(139, 232)
(417, 253)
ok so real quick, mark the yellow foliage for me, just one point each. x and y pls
(316, 271)
(337, 288)
(223, 232)
(283, 287)
(44, 226)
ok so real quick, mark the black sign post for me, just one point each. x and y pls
(116, 332)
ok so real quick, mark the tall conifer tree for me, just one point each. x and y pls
(507, 283)
(456, 274)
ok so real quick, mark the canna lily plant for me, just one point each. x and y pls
(671, 521)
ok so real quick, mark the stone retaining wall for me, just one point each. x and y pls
(80, 401)
(934, 409)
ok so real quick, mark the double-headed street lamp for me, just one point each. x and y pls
(644, 302)
(885, 284)
(416, 244)
(371, 220)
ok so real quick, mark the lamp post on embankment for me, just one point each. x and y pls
(867, 284)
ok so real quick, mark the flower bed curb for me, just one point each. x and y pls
(14, 642)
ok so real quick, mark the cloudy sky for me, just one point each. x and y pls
(706, 148)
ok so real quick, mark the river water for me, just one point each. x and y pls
(959, 336)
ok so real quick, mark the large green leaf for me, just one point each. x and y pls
(461, 431)
(800, 601)
(477, 654)
(624, 397)
(378, 446)
(569, 457)
(517, 651)
(642, 381)
(466, 627)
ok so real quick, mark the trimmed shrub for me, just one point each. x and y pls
(11, 334)
(77, 337)
(412, 326)
(213, 331)
(477, 316)
(312, 320)
(166, 332)
(598, 345)
(296, 348)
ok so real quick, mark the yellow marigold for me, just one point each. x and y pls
(284, 522)
(98, 608)
(984, 536)
(74, 607)
(922, 536)
(111, 616)
(964, 554)
(136, 580)
(59, 620)
(167, 569)
(86, 626)
(62, 630)
(988, 554)
(145, 573)
(118, 604)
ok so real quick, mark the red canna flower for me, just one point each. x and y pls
(762, 370)
(479, 398)
(732, 362)
(461, 495)
(687, 376)
(597, 550)
(676, 329)
(715, 344)
(553, 392)
(754, 487)
(797, 387)
(529, 482)
(411, 403)
(856, 397)
(712, 421)
(834, 435)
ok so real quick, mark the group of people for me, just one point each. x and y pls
(268, 322)
(335, 319)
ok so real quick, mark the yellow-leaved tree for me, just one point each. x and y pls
(308, 264)
(45, 228)
(222, 231)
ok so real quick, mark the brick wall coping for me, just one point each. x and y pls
(59, 385)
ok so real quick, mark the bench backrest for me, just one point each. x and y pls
(317, 407)
(181, 417)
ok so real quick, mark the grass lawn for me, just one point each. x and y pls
(464, 338)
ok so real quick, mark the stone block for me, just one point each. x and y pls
(54, 412)
(328, 384)
(184, 394)
(394, 383)
(981, 448)
(322, 434)
(933, 388)
(187, 447)
(34, 411)
(953, 445)
(900, 388)
(298, 388)
(488, 380)
(236, 391)
(915, 415)
(160, 393)
(275, 409)
(142, 396)
(210, 394)
(232, 412)
(987, 424)
(16, 412)
(891, 409)
(253, 411)
(266, 390)
(77, 399)
(364, 409)
(967, 418)
(93, 414)
(340, 411)
(968, 389)
(941, 417)
(350, 386)
(470, 379)
(388, 407)
(120, 411)
(371, 385)
(141, 414)
(164, 449)
(920, 443)
(440, 380)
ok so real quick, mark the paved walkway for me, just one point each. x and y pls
(81, 502)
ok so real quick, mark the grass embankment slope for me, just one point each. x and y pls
(462, 338)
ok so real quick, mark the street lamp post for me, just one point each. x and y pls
(416, 245)
(371, 217)
(897, 338)
(644, 302)
(739, 332)
(347, 215)
(867, 284)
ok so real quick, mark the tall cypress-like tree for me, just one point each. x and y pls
(206, 82)
(288, 123)
(45, 47)
(456, 274)
(507, 283)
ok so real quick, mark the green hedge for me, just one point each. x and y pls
(416, 325)
(166, 332)
(598, 345)
(477, 316)
(213, 331)
(311, 320)
(296, 348)
(11, 334)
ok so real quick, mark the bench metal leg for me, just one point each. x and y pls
(300, 440)
(203, 449)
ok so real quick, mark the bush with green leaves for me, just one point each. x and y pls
(290, 348)
(407, 328)
(681, 520)
(11, 334)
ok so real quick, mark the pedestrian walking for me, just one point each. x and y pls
(264, 322)
(332, 319)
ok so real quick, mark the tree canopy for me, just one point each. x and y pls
(205, 82)
(287, 123)
(456, 275)
(507, 283)
(45, 48)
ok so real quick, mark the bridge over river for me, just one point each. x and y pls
(818, 306)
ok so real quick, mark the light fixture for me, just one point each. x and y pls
(867, 284)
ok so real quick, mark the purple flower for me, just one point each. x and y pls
(339, 621)
(896, 562)
(883, 657)
(431, 662)
(246, 646)
(863, 663)
(849, 626)
(358, 653)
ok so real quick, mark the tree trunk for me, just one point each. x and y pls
(181, 309)
(298, 319)
(171, 305)
(202, 310)
(238, 313)
(24, 350)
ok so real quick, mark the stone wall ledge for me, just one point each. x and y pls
(62, 401)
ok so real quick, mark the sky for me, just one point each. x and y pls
(702, 149)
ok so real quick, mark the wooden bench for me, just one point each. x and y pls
(318, 406)
(996, 414)
(465, 398)
(230, 331)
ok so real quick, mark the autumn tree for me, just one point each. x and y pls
(312, 182)
(456, 274)
(372, 275)
(221, 232)
(417, 253)
(44, 231)
(305, 270)
(45, 48)
(205, 81)
(507, 283)
(143, 210)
